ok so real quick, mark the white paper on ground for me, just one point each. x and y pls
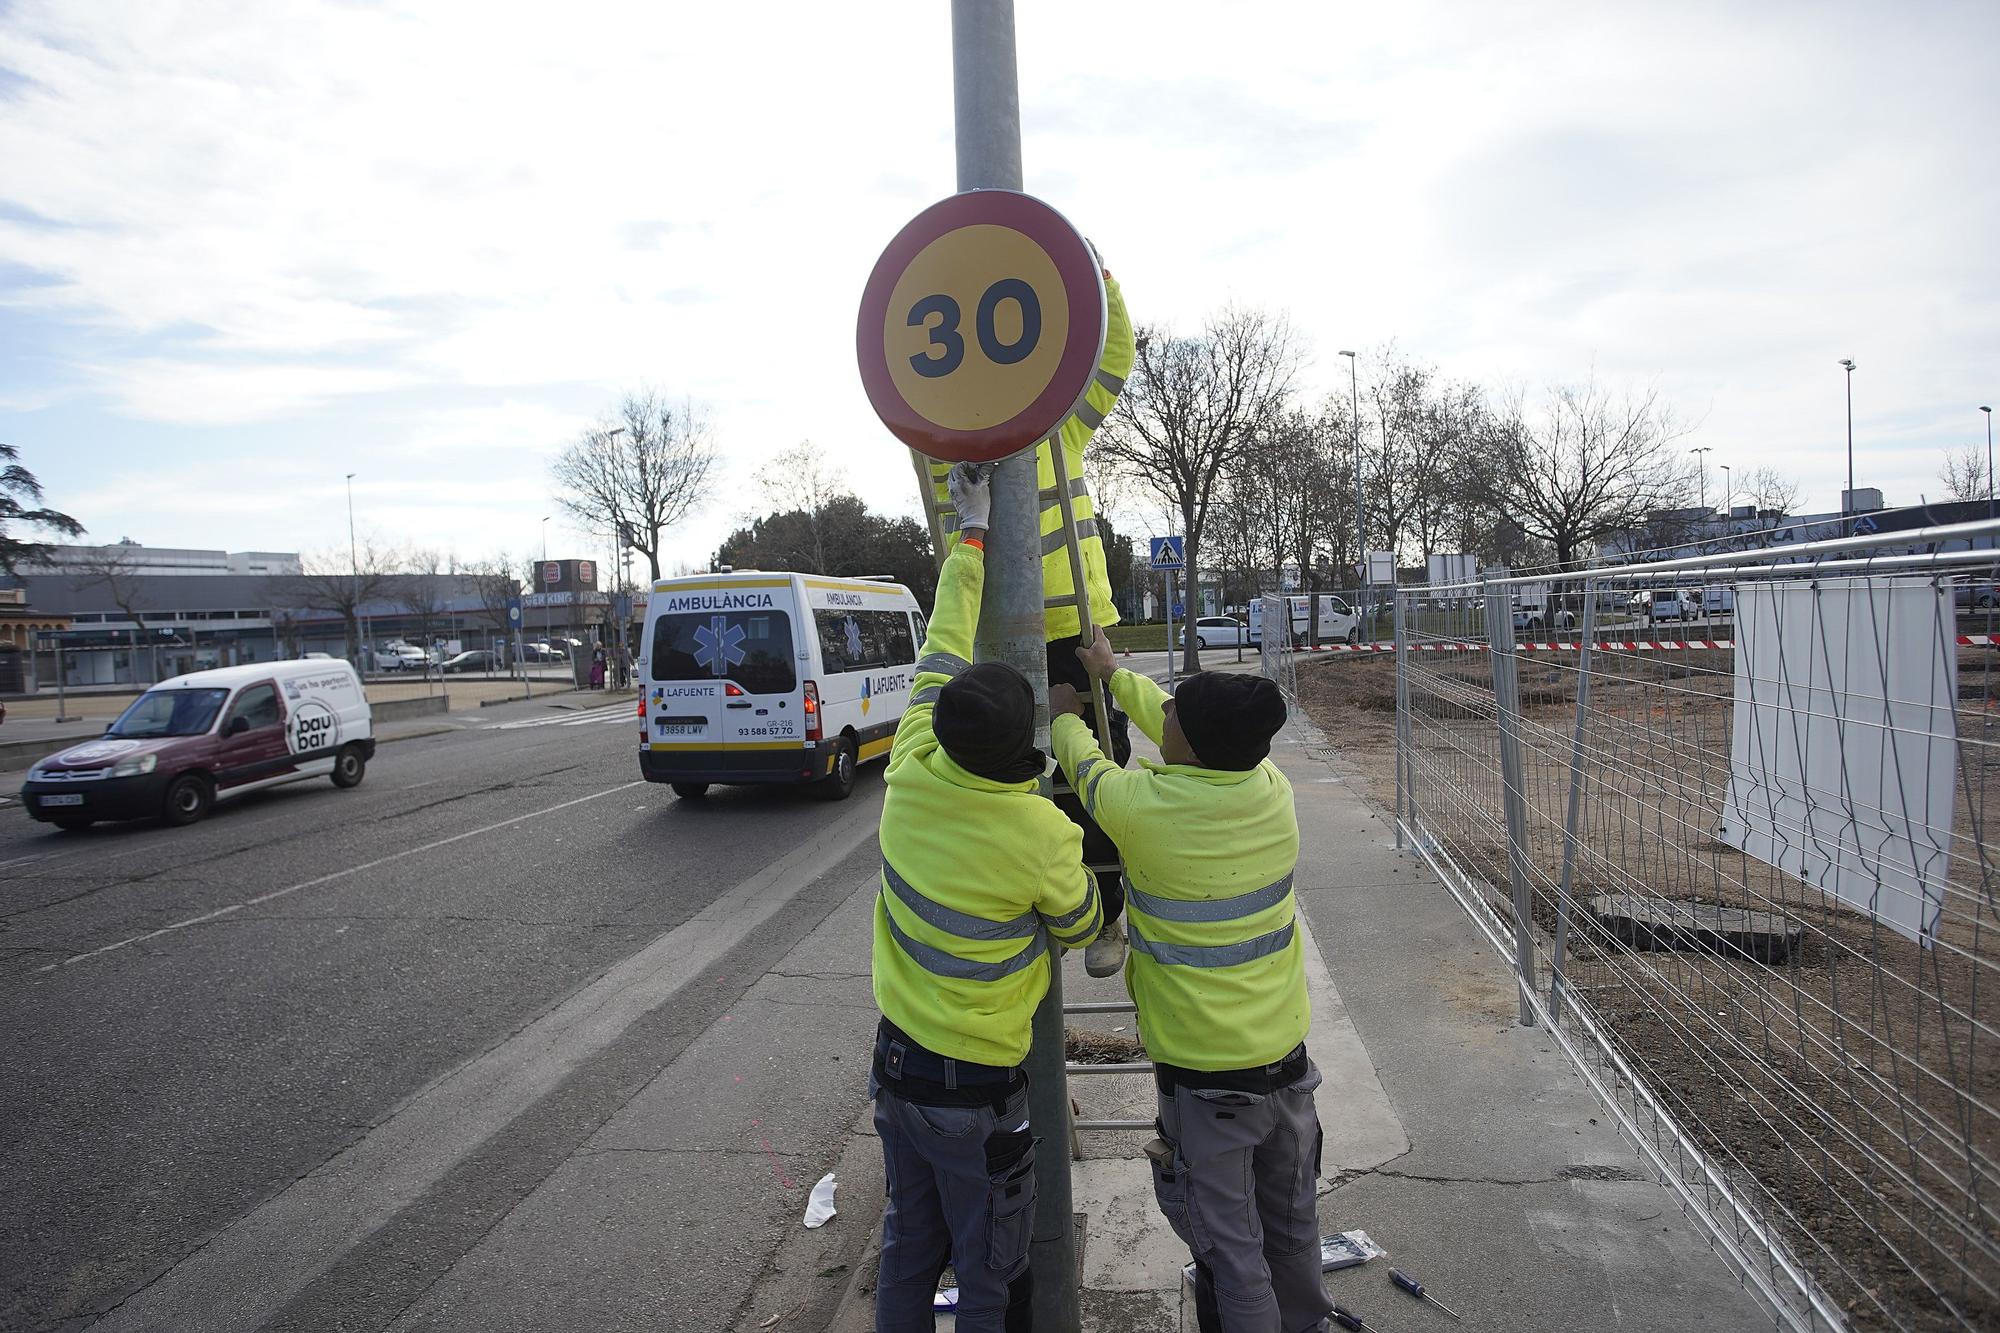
(820, 1206)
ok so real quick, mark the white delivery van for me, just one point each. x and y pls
(207, 736)
(755, 677)
(1338, 622)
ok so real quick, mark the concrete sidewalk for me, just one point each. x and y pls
(1461, 1142)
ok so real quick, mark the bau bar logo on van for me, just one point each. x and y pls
(312, 726)
(718, 601)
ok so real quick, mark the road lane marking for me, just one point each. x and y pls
(601, 713)
(318, 880)
(236, 1281)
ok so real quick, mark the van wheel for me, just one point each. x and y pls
(349, 767)
(690, 791)
(839, 784)
(1354, 635)
(188, 798)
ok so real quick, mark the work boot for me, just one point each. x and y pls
(1105, 955)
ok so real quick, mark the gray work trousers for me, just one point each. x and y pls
(961, 1187)
(1240, 1188)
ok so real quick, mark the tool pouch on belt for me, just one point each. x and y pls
(1176, 1199)
(1010, 1200)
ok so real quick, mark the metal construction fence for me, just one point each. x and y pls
(1743, 877)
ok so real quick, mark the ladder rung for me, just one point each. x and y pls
(1067, 599)
(1134, 1067)
(1104, 867)
(1111, 1124)
(1061, 789)
(1101, 1007)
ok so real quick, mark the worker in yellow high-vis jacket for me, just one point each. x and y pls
(1217, 974)
(1107, 953)
(981, 879)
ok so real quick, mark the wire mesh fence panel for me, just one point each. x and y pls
(1748, 876)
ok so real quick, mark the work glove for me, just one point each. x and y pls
(971, 487)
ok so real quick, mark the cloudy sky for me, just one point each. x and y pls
(246, 249)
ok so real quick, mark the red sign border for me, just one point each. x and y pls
(1081, 350)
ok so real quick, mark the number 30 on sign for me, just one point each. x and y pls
(980, 326)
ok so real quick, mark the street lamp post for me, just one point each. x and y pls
(1701, 453)
(353, 570)
(1847, 364)
(542, 579)
(1989, 460)
(1354, 439)
(1728, 489)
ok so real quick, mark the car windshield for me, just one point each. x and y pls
(169, 713)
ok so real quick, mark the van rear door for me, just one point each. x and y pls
(724, 670)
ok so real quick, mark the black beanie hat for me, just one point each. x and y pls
(985, 720)
(1229, 718)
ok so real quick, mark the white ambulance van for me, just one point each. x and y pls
(208, 736)
(755, 677)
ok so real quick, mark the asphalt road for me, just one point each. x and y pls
(289, 1067)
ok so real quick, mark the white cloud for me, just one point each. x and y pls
(410, 236)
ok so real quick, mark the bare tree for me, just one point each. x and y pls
(640, 477)
(801, 481)
(114, 569)
(421, 593)
(1191, 407)
(1963, 473)
(330, 581)
(495, 584)
(1774, 493)
(1584, 464)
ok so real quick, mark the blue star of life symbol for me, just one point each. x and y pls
(853, 629)
(718, 645)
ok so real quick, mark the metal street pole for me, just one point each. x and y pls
(541, 581)
(1354, 437)
(987, 124)
(353, 573)
(1989, 460)
(1701, 453)
(1847, 364)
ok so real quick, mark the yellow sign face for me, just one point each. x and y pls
(975, 327)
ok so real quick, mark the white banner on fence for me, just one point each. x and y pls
(1843, 749)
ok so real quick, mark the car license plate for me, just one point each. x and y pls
(67, 798)
(682, 728)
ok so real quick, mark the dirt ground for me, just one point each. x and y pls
(1852, 1090)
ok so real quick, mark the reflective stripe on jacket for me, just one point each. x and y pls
(1075, 432)
(1216, 966)
(978, 877)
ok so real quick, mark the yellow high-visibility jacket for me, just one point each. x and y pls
(977, 876)
(1216, 967)
(1075, 433)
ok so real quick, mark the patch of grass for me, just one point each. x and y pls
(1138, 638)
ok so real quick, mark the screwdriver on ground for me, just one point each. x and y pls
(1347, 1319)
(1416, 1289)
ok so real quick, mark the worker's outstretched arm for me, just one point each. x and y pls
(1143, 701)
(1069, 905)
(954, 618)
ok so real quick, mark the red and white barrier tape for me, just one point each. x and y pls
(1604, 645)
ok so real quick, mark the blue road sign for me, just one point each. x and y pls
(1179, 610)
(514, 612)
(1169, 553)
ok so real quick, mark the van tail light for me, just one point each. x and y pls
(812, 711)
(731, 689)
(642, 708)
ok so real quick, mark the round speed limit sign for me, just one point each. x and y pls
(980, 326)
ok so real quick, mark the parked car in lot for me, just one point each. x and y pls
(207, 736)
(1217, 632)
(401, 657)
(1669, 604)
(474, 660)
(1535, 619)
(1975, 595)
(544, 652)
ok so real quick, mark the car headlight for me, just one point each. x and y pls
(132, 768)
(37, 774)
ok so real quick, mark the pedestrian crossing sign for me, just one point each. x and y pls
(1169, 553)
